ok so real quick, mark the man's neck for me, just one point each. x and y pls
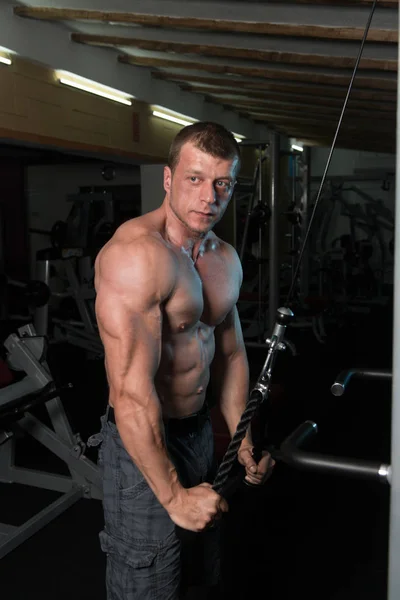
(181, 237)
(191, 244)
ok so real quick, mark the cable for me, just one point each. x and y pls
(296, 271)
(256, 398)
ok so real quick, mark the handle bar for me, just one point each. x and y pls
(342, 380)
(290, 452)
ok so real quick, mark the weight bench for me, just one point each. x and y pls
(26, 352)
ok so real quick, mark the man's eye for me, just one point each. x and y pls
(194, 179)
(223, 184)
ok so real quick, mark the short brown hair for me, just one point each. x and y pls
(209, 137)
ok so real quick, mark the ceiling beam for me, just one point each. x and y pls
(254, 27)
(318, 90)
(317, 78)
(363, 145)
(280, 108)
(382, 3)
(230, 95)
(291, 58)
(308, 132)
(376, 144)
(307, 121)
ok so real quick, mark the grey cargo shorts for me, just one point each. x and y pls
(146, 556)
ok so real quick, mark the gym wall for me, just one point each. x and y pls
(36, 109)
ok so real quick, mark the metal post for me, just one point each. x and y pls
(394, 527)
(260, 246)
(41, 318)
(304, 206)
(273, 295)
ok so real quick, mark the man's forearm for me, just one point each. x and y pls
(142, 433)
(233, 389)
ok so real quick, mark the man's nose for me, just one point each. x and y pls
(208, 192)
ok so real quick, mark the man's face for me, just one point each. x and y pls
(200, 188)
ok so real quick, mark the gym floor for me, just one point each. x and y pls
(316, 535)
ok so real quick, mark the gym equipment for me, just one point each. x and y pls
(79, 329)
(353, 269)
(263, 291)
(89, 225)
(343, 379)
(258, 395)
(291, 452)
(297, 215)
(25, 295)
(75, 243)
(251, 236)
(26, 353)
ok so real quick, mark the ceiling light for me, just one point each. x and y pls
(238, 137)
(183, 120)
(296, 147)
(93, 87)
(5, 61)
(167, 117)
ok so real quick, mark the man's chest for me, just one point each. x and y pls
(205, 291)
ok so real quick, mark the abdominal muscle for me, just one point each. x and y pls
(184, 372)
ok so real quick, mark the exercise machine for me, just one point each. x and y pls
(34, 386)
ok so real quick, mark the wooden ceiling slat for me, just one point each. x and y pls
(325, 124)
(229, 96)
(328, 135)
(364, 145)
(276, 74)
(317, 60)
(167, 22)
(299, 109)
(318, 90)
(382, 3)
(376, 144)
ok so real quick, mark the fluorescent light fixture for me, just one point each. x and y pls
(93, 87)
(167, 117)
(238, 137)
(183, 120)
(296, 147)
(5, 54)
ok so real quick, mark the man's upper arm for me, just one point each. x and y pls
(228, 334)
(132, 282)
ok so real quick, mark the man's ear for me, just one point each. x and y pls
(167, 179)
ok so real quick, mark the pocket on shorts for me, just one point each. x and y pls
(138, 570)
(134, 491)
(138, 555)
(142, 517)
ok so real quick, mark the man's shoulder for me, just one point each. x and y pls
(145, 226)
(136, 254)
(140, 248)
(223, 248)
(135, 238)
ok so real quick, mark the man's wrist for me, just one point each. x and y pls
(172, 496)
(246, 443)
